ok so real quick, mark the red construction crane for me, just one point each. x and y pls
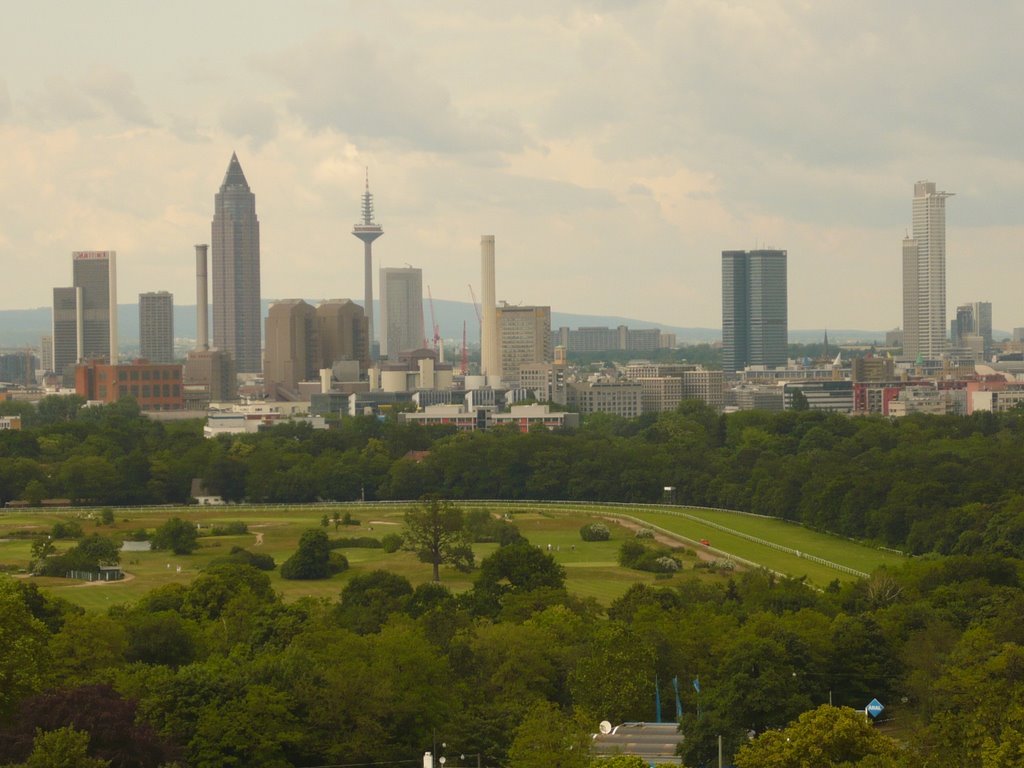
(435, 326)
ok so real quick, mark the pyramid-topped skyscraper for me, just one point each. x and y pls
(235, 265)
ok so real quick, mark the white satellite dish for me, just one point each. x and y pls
(605, 727)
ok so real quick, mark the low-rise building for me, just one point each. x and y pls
(621, 398)
(155, 386)
(12, 423)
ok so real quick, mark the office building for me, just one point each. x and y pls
(236, 271)
(95, 273)
(524, 336)
(596, 339)
(620, 398)
(924, 276)
(754, 309)
(344, 333)
(368, 230)
(64, 331)
(156, 326)
(155, 386)
(971, 330)
(293, 352)
(46, 354)
(401, 311)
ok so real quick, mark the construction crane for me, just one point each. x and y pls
(479, 317)
(436, 327)
(465, 351)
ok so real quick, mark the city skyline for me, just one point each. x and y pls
(599, 141)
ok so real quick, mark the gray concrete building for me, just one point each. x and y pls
(524, 336)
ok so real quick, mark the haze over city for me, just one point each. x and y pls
(614, 150)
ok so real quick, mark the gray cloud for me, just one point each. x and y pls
(255, 120)
(114, 90)
(370, 91)
(100, 93)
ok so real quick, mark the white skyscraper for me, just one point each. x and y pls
(401, 310)
(924, 275)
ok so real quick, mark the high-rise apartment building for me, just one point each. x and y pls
(924, 276)
(401, 311)
(236, 271)
(156, 326)
(524, 336)
(755, 313)
(293, 353)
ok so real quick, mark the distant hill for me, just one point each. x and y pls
(25, 327)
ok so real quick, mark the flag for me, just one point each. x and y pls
(679, 703)
(696, 683)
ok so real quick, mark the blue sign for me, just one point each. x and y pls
(874, 708)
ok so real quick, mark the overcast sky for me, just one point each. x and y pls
(613, 148)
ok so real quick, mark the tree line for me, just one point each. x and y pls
(946, 484)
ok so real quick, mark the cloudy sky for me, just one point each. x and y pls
(613, 148)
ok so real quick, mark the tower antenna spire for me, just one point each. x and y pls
(368, 230)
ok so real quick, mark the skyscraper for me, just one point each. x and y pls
(924, 275)
(95, 272)
(401, 310)
(755, 313)
(524, 336)
(156, 326)
(972, 329)
(236, 271)
(293, 353)
(368, 230)
(64, 333)
(341, 325)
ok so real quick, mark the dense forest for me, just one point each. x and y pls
(951, 485)
(516, 670)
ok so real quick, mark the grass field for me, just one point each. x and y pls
(591, 567)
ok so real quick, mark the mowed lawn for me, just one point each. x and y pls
(591, 567)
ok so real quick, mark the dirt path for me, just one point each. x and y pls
(670, 539)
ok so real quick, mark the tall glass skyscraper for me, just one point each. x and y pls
(236, 271)
(924, 276)
(156, 326)
(755, 310)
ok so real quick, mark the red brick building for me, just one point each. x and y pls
(155, 386)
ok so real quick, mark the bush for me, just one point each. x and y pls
(312, 560)
(177, 535)
(67, 529)
(336, 563)
(392, 542)
(255, 559)
(595, 532)
(139, 535)
(630, 552)
(234, 528)
(645, 533)
(355, 542)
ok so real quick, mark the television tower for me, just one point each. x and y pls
(368, 230)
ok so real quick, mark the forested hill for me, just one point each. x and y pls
(923, 483)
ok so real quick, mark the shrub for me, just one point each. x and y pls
(392, 542)
(645, 533)
(255, 559)
(138, 535)
(595, 532)
(630, 552)
(233, 528)
(336, 563)
(177, 535)
(355, 542)
(67, 529)
(312, 560)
